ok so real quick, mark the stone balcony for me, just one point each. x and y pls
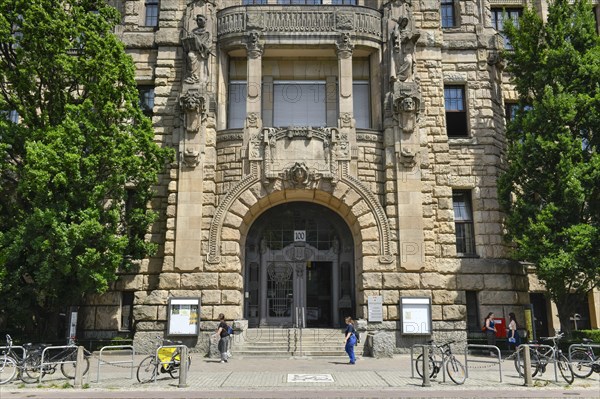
(299, 24)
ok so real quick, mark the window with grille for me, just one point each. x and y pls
(456, 113)
(448, 14)
(463, 220)
(500, 15)
(151, 13)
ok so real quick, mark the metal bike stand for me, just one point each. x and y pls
(20, 348)
(116, 348)
(50, 363)
(488, 347)
(159, 362)
(571, 347)
(552, 357)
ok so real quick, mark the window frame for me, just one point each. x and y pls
(243, 94)
(498, 17)
(122, 324)
(452, 114)
(448, 5)
(151, 20)
(465, 243)
(368, 116)
(277, 113)
(147, 107)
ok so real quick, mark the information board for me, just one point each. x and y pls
(415, 315)
(375, 308)
(183, 316)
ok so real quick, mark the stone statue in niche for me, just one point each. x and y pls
(404, 40)
(197, 46)
(194, 105)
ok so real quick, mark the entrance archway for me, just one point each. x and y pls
(299, 268)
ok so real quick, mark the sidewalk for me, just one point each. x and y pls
(295, 375)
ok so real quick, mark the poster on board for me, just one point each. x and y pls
(415, 315)
(183, 316)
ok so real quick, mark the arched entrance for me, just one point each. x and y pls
(299, 268)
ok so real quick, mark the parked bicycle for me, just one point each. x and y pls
(584, 361)
(542, 355)
(166, 359)
(14, 365)
(66, 357)
(454, 368)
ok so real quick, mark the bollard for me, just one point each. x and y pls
(426, 371)
(527, 367)
(183, 366)
(79, 368)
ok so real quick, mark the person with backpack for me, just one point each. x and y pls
(223, 332)
(350, 335)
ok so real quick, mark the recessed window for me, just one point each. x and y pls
(151, 13)
(146, 99)
(236, 104)
(299, 103)
(248, 2)
(500, 15)
(456, 113)
(473, 323)
(362, 104)
(463, 220)
(448, 14)
(344, 2)
(127, 310)
(301, 2)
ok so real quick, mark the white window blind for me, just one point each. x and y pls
(362, 105)
(299, 103)
(236, 113)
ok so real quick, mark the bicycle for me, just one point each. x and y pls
(583, 360)
(454, 368)
(541, 355)
(13, 365)
(67, 358)
(166, 359)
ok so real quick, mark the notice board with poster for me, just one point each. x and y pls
(415, 313)
(183, 316)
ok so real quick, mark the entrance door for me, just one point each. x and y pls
(280, 293)
(318, 294)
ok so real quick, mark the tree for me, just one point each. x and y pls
(550, 190)
(78, 168)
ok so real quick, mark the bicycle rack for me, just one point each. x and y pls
(487, 347)
(55, 348)
(432, 348)
(116, 348)
(582, 346)
(160, 362)
(551, 358)
(20, 348)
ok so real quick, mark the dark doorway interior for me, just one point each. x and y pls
(318, 294)
(540, 314)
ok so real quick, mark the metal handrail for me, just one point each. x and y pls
(116, 348)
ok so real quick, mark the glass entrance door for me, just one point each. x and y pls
(318, 294)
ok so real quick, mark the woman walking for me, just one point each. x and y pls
(514, 340)
(223, 337)
(350, 339)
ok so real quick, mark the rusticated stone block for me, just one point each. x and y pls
(231, 297)
(145, 312)
(231, 312)
(401, 280)
(498, 297)
(156, 297)
(497, 281)
(443, 297)
(169, 281)
(371, 281)
(231, 280)
(211, 297)
(438, 281)
(454, 312)
(469, 282)
(130, 282)
(200, 280)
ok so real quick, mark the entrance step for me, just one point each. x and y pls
(288, 342)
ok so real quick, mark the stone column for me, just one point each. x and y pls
(346, 123)
(254, 49)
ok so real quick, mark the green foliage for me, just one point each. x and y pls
(550, 190)
(594, 335)
(81, 150)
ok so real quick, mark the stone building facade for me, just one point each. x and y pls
(327, 153)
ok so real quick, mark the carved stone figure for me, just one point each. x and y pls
(191, 158)
(253, 44)
(404, 40)
(197, 45)
(194, 105)
(344, 45)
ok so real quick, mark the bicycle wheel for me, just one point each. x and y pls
(174, 370)
(147, 369)
(535, 363)
(581, 363)
(456, 371)
(31, 368)
(419, 366)
(68, 369)
(8, 369)
(565, 369)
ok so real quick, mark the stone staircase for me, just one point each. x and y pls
(288, 342)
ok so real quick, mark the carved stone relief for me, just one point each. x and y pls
(197, 45)
(193, 103)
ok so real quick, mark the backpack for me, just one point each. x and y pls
(229, 330)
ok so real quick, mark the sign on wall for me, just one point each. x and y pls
(375, 308)
(299, 235)
(415, 315)
(183, 316)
